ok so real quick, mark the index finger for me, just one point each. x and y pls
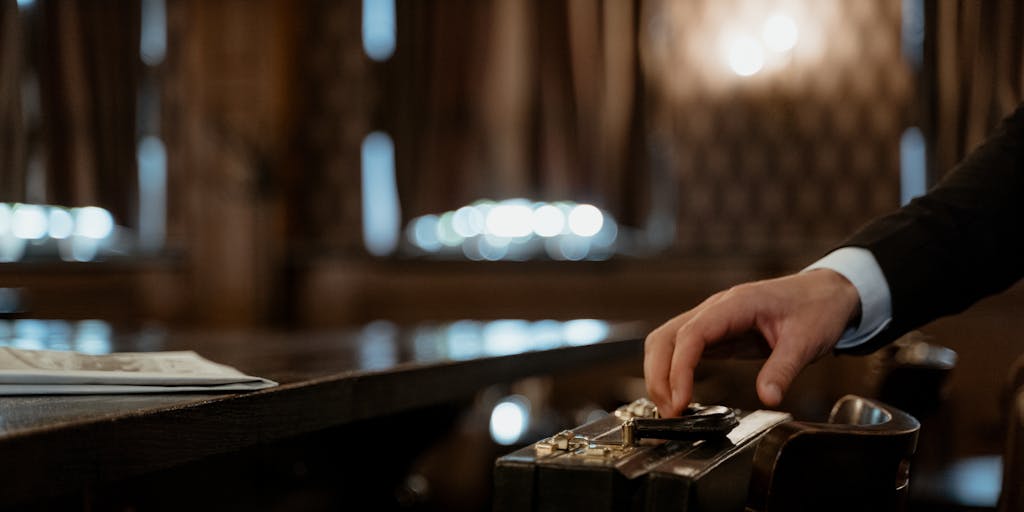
(658, 349)
(658, 357)
(733, 315)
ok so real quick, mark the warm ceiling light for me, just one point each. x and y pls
(780, 33)
(746, 56)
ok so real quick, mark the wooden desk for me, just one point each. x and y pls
(56, 444)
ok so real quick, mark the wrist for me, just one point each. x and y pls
(843, 291)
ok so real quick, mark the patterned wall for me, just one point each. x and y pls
(794, 157)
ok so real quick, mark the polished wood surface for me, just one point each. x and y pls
(54, 444)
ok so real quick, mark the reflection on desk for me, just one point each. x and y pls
(378, 342)
(329, 378)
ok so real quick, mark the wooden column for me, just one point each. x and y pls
(229, 104)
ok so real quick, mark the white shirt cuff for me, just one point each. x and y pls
(859, 266)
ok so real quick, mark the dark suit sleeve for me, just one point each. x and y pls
(960, 242)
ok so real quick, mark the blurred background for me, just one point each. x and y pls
(269, 164)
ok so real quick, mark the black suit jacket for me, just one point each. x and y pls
(960, 242)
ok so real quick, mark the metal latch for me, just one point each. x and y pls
(641, 421)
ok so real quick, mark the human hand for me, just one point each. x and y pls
(794, 320)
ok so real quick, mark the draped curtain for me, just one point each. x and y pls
(973, 73)
(68, 82)
(506, 98)
(12, 130)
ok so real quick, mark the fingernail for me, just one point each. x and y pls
(772, 393)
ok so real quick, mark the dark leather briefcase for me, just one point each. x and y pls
(618, 463)
(717, 459)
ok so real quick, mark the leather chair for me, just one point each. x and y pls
(912, 373)
(859, 460)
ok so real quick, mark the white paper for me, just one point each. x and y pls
(34, 372)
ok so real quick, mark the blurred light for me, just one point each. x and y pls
(152, 164)
(61, 224)
(26, 3)
(509, 230)
(585, 331)
(490, 249)
(28, 343)
(446, 232)
(546, 334)
(518, 250)
(93, 337)
(547, 221)
(912, 31)
(509, 419)
(424, 233)
(28, 222)
(471, 250)
(153, 35)
(484, 206)
(468, 221)
(511, 220)
(553, 247)
(93, 222)
(506, 337)
(913, 165)
(5, 218)
(58, 335)
(377, 345)
(464, 340)
(746, 56)
(84, 248)
(379, 29)
(497, 241)
(585, 220)
(780, 33)
(10, 300)
(976, 481)
(573, 248)
(381, 211)
(12, 248)
(29, 334)
(607, 235)
(427, 345)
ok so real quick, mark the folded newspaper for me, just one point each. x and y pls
(49, 372)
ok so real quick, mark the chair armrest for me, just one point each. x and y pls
(859, 460)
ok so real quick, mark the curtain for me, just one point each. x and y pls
(506, 98)
(12, 131)
(972, 74)
(86, 58)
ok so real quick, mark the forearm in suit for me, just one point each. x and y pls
(960, 242)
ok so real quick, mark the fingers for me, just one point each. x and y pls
(730, 316)
(798, 318)
(657, 357)
(658, 349)
(786, 361)
(688, 348)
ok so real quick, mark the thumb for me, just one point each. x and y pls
(778, 372)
